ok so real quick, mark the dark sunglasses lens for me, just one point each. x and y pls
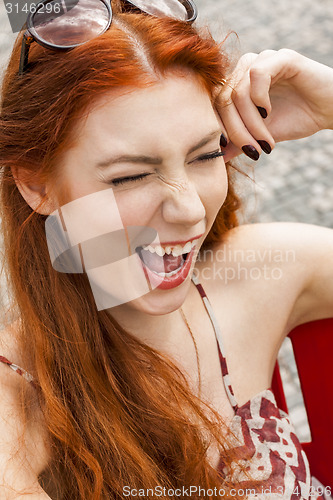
(72, 22)
(181, 10)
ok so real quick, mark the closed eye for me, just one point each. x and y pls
(209, 156)
(132, 178)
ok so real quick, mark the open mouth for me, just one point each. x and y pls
(164, 262)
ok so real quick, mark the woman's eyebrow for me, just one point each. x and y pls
(204, 141)
(153, 160)
(129, 159)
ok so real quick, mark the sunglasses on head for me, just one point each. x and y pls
(65, 24)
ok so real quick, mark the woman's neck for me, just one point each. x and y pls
(159, 332)
(164, 332)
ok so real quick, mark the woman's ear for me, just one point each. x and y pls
(34, 191)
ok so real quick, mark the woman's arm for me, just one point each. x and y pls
(314, 245)
(297, 94)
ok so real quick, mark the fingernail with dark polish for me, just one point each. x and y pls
(251, 152)
(262, 111)
(223, 141)
(265, 147)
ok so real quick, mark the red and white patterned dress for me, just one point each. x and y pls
(265, 440)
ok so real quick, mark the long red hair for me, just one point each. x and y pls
(117, 412)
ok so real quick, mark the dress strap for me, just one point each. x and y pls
(218, 336)
(19, 370)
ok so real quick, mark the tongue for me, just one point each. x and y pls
(164, 264)
(172, 263)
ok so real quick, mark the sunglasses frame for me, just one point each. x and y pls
(31, 35)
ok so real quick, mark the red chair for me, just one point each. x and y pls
(313, 350)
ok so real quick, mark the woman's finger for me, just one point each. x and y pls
(248, 89)
(237, 132)
(251, 116)
(231, 151)
(244, 125)
(261, 72)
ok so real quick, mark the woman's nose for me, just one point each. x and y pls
(182, 204)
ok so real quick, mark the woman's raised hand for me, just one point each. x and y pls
(296, 94)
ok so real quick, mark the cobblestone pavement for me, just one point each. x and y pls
(294, 183)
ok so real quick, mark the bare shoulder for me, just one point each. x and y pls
(258, 248)
(263, 280)
(10, 349)
(9, 345)
(277, 235)
(288, 259)
(24, 451)
(284, 243)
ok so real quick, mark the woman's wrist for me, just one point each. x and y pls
(322, 80)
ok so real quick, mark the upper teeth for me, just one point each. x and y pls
(174, 250)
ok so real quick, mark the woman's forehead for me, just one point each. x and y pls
(173, 105)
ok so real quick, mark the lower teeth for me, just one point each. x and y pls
(171, 273)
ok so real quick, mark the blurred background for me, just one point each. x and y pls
(295, 182)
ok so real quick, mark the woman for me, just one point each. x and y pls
(113, 180)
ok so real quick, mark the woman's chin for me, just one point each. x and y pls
(158, 301)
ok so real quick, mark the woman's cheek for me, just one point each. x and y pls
(214, 190)
(138, 205)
